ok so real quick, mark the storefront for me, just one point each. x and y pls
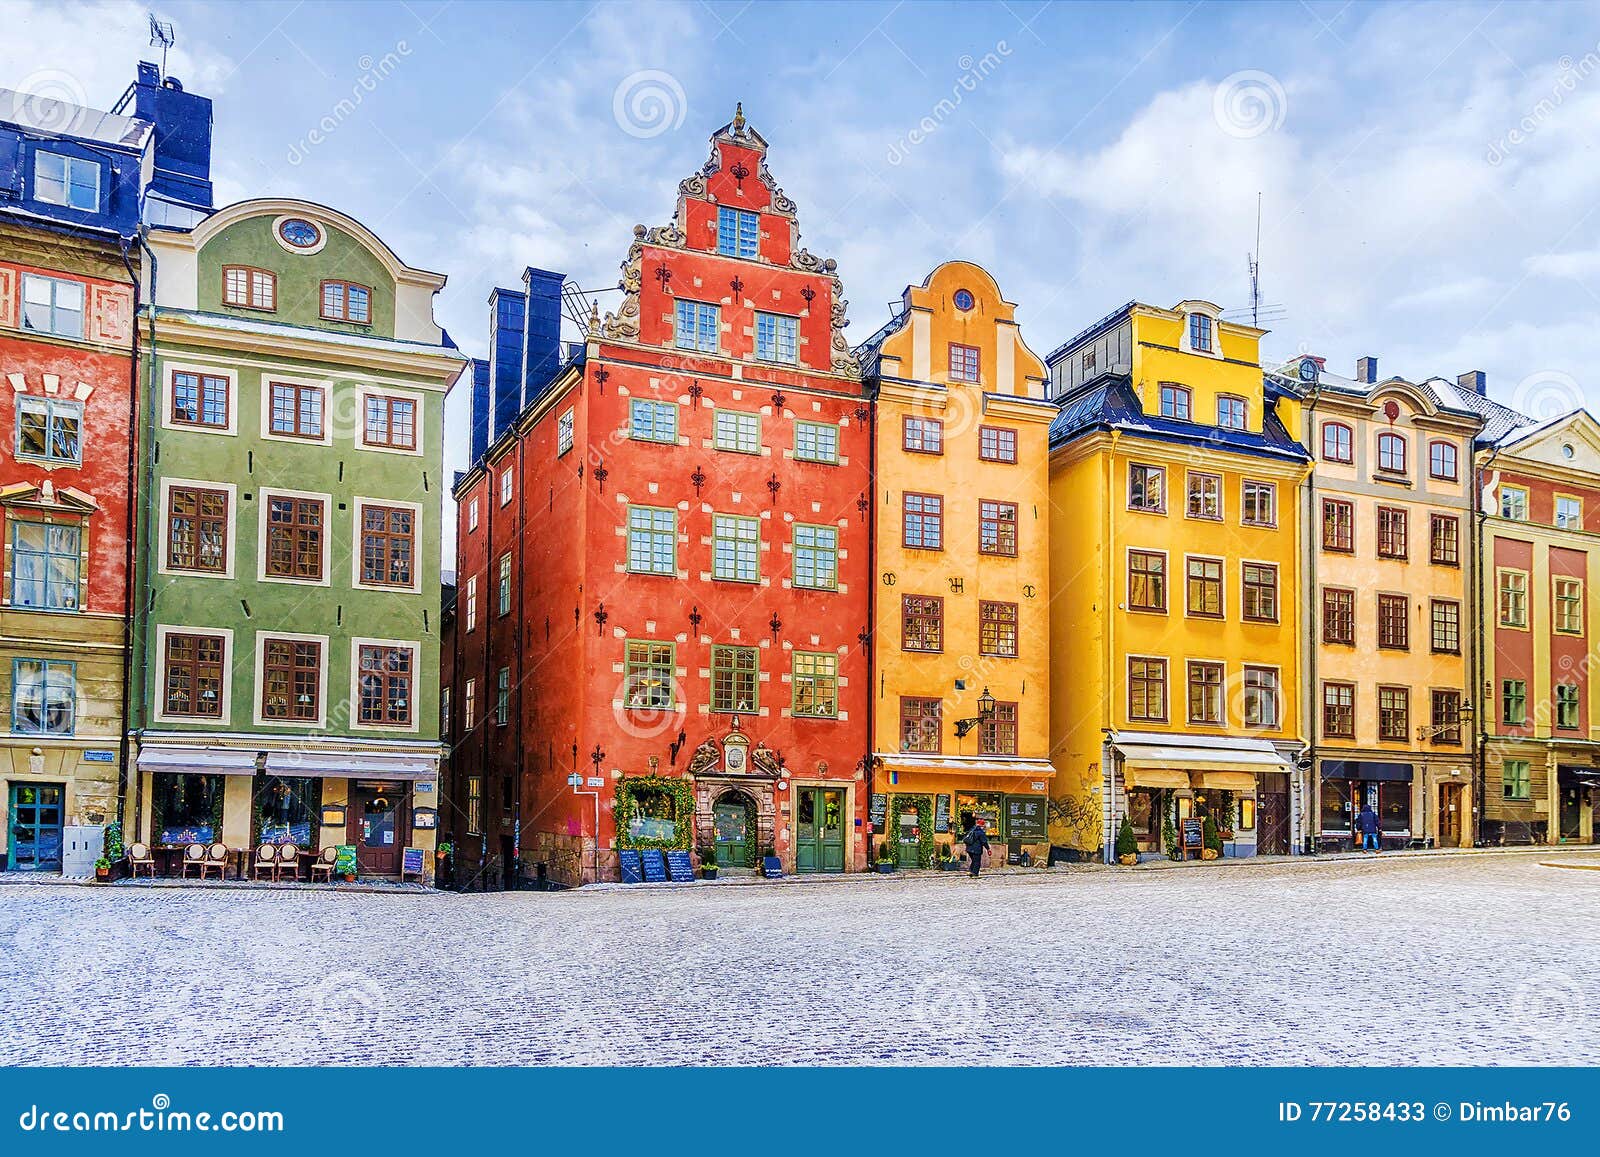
(379, 803)
(1348, 786)
(922, 805)
(1244, 787)
(1576, 790)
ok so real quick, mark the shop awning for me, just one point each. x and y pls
(177, 760)
(986, 765)
(352, 765)
(1588, 776)
(1367, 769)
(1154, 777)
(1224, 780)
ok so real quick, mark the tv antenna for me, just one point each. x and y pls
(1253, 264)
(161, 33)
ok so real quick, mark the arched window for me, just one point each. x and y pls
(1442, 460)
(1337, 442)
(1391, 453)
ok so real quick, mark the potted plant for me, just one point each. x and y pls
(1211, 840)
(1127, 844)
(886, 859)
(708, 862)
(947, 858)
(115, 851)
(102, 870)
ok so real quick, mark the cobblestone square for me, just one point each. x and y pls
(1450, 960)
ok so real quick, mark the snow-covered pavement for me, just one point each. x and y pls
(1466, 960)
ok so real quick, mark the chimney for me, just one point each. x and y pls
(508, 316)
(541, 351)
(182, 121)
(1367, 370)
(481, 419)
(1475, 380)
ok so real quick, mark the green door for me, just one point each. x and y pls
(35, 827)
(909, 831)
(733, 838)
(819, 831)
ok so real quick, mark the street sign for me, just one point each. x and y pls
(574, 780)
(597, 781)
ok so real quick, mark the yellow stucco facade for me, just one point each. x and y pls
(1175, 579)
(961, 530)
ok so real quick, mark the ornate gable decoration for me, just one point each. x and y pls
(623, 325)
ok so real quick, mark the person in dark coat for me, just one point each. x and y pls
(1368, 819)
(977, 842)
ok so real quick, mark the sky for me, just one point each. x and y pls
(1426, 175)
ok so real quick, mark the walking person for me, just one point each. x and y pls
(977, 843)
(1368, 819)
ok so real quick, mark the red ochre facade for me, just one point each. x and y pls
(572, 603)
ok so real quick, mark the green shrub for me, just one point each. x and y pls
(1127, 842)
(1210, 836)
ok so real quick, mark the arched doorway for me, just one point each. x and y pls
(735, 831)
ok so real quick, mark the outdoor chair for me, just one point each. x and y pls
(139, 857)
(289, 861)
(323, 864)
(194, 856)
(266, 861)
(216, 861)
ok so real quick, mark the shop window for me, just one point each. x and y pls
(997, 629)
(655, 816)
(735, 679)
(390, 423)
(647, 682)
(922, 435)
(295, 536)
(296, 410)
(1394, 808)
(997, 444)
(388, 545)
(1516, 779)
(386, 676)
(921, 623)
(1147, 580)
(987, 806)
(1339, 616)
(1260, 593)
(1394, 714)
(44, 697)
(816, 557)
(997, 528)
(52, 305)
(815, 679)
(1147, 690)
(652, 540)
(1392, 532)
(186, 809)
(287, 810)
(1444, 540)
(1514, 702)
(920, 724)
(1338, 525)
(49, 430)
(1258, 503)
(1336, 812)
(816, 442)
(735, 548)
(1204, 587)
(1205, 496)
(923, 525)
(1147, 488)
(200, 399)
(45, 562)
(1205, 693)
(291, 680)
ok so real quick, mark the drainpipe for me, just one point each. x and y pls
(1312, 809)
(148, 466)
(1108, 772)
(1479, 754)
(130, 557)
(517, 576)
(870, 397)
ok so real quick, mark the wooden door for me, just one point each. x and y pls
(36, 827)
(733, 837)
(1450, 815)
(377, 827)
(1272, 820)
(819, 830)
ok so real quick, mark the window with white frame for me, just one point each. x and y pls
(738, 232)
(698, 326)
(44, 696)
(737, 431)
(52, 305)
(49, 429)
(777, 337)
(472, 603)
(565, 427)
(1569, 512)
(502, 697)
(72, 182)
(650, 421)
(505, 486)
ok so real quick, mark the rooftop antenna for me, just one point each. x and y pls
(1253, 264)
(161, 33)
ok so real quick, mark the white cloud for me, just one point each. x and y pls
(1574, 264)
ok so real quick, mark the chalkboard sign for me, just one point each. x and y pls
(410, 862)
(345, 863)
(1025, 818)
(878, 811)
(941, 814)
(1194, 834)
(632, 869)
(772, 867)
(655, 867)
(679, 869)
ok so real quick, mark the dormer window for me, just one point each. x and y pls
(346, 301)
(738, 232)
(1200, 332)
(1175, 402)
(73, 182)
(249, 288)
(1230, 412)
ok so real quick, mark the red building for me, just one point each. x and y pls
(664, 550)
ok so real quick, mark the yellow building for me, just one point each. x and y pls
(1389, 577)
(1175, 577)
(961, 678)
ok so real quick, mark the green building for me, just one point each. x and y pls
(287, 663)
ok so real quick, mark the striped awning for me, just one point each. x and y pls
(177, 759)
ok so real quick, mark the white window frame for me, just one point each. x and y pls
(168, 392)
(159, 713)
(164, 517)
(263, 498)
(262, 637)
(398, 395)
(68, 164)
(355, 723)
(418, 554)
(566, 432)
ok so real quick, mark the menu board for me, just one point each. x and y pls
(345, 863)
(411, 861)
(1025, 818)
(655, 868)
(1194, 834)
(632, 868)
(878, 810)
(679, 868)
(941, 814)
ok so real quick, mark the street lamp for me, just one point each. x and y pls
(984, 715)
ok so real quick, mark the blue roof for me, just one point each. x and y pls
(1094, 330)
(1109, 404)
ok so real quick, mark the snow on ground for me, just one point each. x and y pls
(1459, 960)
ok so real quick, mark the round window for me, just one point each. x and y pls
(964, 300)
(299, 232)
(1566, 450)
